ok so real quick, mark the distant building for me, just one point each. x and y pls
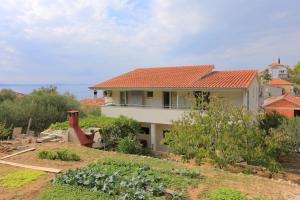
(286, 105)
(92, 102)
(278, 70)
(286, 86)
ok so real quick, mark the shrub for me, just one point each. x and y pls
(227, 134)
(270, 120)
(130, 145)
(7, 94)
(5, 133)
(227, 194)
(61, 154)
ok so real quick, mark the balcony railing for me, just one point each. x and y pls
(147, 114)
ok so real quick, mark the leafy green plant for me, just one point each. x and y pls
(270, 120)
(121, 179)
(249, 171)
(227, 194)
(5, 133)
(61, 154)
(130, 145)
(226, 134)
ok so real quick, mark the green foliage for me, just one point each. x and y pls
(5, 133)
(297, 68)
(44, 106)
(226, 134)
(271, 120)
(265, 75)
(227, 194)
(61, 154)
(91, 110)
(68, 192)
(122, 179)
(130, 145)
(248, 171)
(7, 94)
(19, 178)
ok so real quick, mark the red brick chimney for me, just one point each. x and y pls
(83, 138)
(73, 116)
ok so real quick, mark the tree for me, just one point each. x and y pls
(266, 75)
(44, 106)
(7, 94)
(225, 134)
(297, 68)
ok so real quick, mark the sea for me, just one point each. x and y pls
(80, 91)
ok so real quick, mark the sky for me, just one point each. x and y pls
(89, 41)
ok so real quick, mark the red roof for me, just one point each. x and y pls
(227, 79)
(287, 97)
(276, 64)
(92, 101)
(279, 81)
(180, 77)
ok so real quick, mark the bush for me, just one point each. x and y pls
(270, 120)
(5, 133)
(227, 194)
(7, 94)
(62, 154)
(226, 134)
(130, 145)
(44, 106)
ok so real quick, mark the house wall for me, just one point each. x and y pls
(270, 91)
(285, 112)
(276, 72)
(253, 92)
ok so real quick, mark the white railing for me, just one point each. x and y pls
(144, 113)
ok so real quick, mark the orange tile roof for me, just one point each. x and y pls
(92, 101)
(276, 64)
(279, 81)
(287, 97)
(180, 77)
(227, 79)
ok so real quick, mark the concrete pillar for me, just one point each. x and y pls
(153, 137)
(177, 100)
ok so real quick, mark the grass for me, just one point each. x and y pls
(67, 192)
(19, 178)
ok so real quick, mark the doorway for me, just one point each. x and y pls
(166, 96)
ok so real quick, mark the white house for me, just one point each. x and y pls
(157, 96)
(278, 70)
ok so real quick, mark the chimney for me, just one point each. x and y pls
(73, 117)
(279, 60)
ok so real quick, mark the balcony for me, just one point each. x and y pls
(144, 114)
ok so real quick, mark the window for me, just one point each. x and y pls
(144, 143)
(107, 93)
(145, 130)
(149, 94)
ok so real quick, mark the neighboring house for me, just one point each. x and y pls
(157, 96)
(287, 105)
(269, 91)
(278, 70)
(286, 86)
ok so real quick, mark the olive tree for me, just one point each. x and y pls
(225, 134)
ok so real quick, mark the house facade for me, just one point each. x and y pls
(278, 70)
(157, 96)
(286, 105)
